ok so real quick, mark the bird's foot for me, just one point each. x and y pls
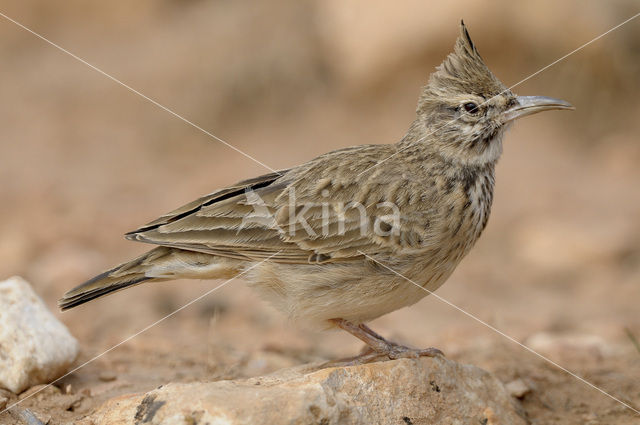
(401, 352)
(366, 356)
(394, 351)
(378, 348)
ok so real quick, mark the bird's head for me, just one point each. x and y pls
(464, 109)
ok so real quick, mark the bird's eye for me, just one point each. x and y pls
(470, 107)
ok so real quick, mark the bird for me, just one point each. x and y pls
(355, 233)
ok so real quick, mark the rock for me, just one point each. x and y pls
(405, 391)
(35, 348)
(40, 391)
(5, 396)
(107, 376)
(517, 388)
(28, 417)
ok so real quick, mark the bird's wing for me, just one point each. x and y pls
(316, 214)
(217, 196)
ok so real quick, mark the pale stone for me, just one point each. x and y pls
(35, 348)
(402, 392)
(518, 388)
(107, 376)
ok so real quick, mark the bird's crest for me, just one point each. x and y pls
(463, 72)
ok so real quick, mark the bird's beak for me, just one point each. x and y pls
(528, 105)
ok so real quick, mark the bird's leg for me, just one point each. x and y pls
(363, 333)
(380, 347)
(375, 334)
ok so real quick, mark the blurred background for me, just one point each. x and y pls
(83, 160)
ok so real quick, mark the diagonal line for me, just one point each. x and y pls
(531, 350)
(271, 169)
(141, 331)
(506, 90)
(576, 50)
(114, 79)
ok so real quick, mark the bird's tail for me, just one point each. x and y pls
(128, 274)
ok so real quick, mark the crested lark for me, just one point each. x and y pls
(326, 226)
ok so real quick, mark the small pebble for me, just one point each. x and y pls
(31, 418)
(107, 376)
(3, 402)
(518, 388)
(35, 390)
(590, 419)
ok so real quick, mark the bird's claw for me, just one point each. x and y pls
(402, 352)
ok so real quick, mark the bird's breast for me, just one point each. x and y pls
(468, 214)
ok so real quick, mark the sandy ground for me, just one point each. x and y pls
(84, 161)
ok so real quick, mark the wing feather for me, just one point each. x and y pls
(258, 218)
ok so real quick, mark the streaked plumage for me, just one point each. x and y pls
(322, 267)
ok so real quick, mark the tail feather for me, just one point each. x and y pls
(161, 263)
(70, 300)
(123, 276)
